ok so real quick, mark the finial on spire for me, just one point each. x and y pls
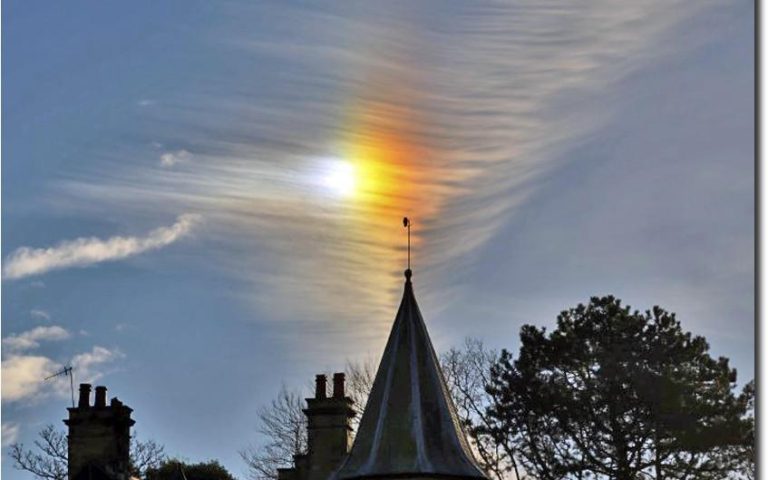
(408, 272)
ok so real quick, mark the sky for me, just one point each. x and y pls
(202, 202)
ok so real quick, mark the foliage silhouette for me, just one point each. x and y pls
(621, 395)
(175, 469)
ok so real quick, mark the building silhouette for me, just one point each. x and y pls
(99, 437)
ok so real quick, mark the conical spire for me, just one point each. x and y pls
(409, 426)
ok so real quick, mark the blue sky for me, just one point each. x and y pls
(174, 222)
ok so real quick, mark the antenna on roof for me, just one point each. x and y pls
(407, 224)
(66, 371)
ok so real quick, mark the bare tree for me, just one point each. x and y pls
(467, 372)
(283, 428)
(145, 456)
(49, 460)
(360, 376)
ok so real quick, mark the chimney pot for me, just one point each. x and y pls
(320, 382)
(338, 385)
(85, 396)
(101, 397)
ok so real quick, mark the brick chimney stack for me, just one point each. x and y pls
(101, 397)
(338, 385)
(99, 436)
(320, 386)
(328, 428)
(85, 396)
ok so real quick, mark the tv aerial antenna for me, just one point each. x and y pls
(66, 372)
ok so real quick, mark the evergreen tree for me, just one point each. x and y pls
(620, 395)
(178, 470)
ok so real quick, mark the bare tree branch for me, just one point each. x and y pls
(283, 430)
(48, 461)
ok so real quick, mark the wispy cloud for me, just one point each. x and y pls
(10, 433)
(31, 338)
(169, 159)
(88, 365)
(453, 116)
(39, 314)
(81, 252)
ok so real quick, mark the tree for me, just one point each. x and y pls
(145, 456)
(360, 377)
(49, 460)
(621, 395)
(283, 428)
(175, 469)
(467, 372)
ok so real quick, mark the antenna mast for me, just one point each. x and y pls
(66, 371)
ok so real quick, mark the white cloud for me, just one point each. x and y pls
(39, 314)
(32, 338)
(169, 159)
(10, 433)
(23, 376)
(86, 365)
(80, 252)
(85, 361)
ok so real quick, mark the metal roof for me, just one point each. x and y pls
(409, 426)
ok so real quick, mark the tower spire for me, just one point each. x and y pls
(409, 428)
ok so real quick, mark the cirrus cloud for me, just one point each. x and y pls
(26, 261)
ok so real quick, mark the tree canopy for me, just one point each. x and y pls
(612, 393)
(175, 469)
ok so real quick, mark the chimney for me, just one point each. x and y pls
(329, 431)
(320, 382)
(98, 439)
(338, 385)
(101, 397)
(85, 396)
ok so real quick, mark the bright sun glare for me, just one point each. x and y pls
(340, 178)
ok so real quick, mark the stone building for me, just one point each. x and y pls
(409, 428)
(99, 437)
